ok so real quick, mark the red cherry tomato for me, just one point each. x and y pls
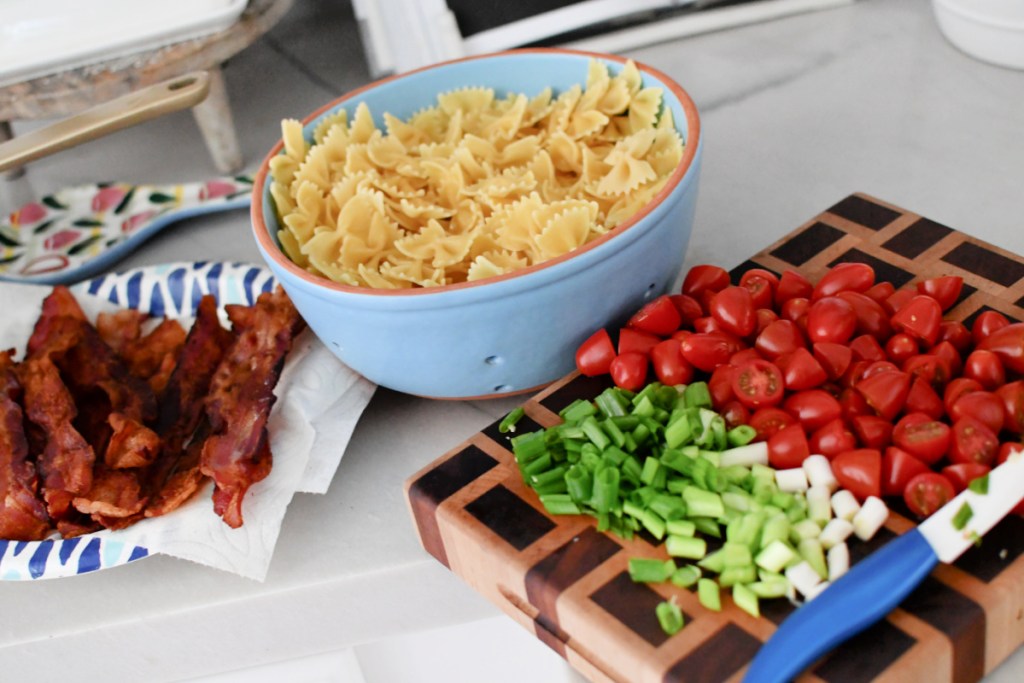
(768, 421)
(986, 323)
(920, 318)
(762, 273)
(706, 323)
(985, 367)
(956, 334)
(855, 373)
(733, 308)
(720, 385)
(928, 367)
(635, 341)
(1007, 343)
(1012, 396)
(794, 309)
(886, 392)
(983, 406)
(734, 413)
(813, 408)
(830, 319)
(922, 437)
(900, 347)
(866, 347)
(853, 404)
(704, 278)
(973, 442)
(963, 473)
(876, 366)
(669, 365)
(706, 351)
(922, 398)
(945, 289)
(957, 388)
(872, 431)
(947, 353)
(765, 317)
(688, 307)
(898, 468)
(881, 291)
(659, 316)
(834, 358)
(788, 448)
(760, 289)
(594, 356)
(801, 370)
(832, 439)
(843, 277)
(859, 471)
(780, 337)
(629, 370)
(792, 285)
(757, 383)
(927, 492)
(871, 317)
(898, 299)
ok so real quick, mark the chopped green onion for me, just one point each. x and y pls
(669, 616)
(685, 576)
(962, 516)
(646, 570)
(707, 593)
(509, 423)
(979, 485)
(688, 547)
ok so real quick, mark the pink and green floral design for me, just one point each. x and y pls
(65, 231)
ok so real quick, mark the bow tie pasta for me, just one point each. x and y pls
(474, 187)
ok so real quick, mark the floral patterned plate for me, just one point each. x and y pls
(80, 231)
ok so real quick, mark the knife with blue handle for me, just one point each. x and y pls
(877, 584)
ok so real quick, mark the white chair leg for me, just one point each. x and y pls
(213, 115)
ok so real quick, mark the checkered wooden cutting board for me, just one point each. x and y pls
(568, 583)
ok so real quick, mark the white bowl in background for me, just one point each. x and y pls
(989, 30)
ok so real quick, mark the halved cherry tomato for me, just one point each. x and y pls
(898, 299)
(801, 370)
(794, 309)
(872, 431)
(948, 354)
(813, 408)
(733, 308)
(885, 391)
(629, 370)
(985, 367)
(734, 413)
(900, 347)
(834, 358)
(768, 421)
(720, 385)
(859, 471)
(855, 277)
(792, 285)
(922, 398)
(880, 291)
(957, 388)
(871, 317)
(707, 350)
(927, 492)
(762, 273)
(760, 290)
(928, 367)
(788, 448)
(853, 404)
(765, 317)
(945, 289)
(956, 333)
(854, 373)
(782, 336)
(707, 323)
(973, 442)
(898, 468)
(594, 356)
(866, 347)
(635, 341)
(832, 439)
(830, 319)
(757, 383)
(669, 365)
(688, 307)
(876, 366)
(986, 323)
(704, 278)
(922, 437)
(659, 316)
(920, 318)
(743, 355)
(1012, 395)
(1007, 343)
(963, 473)
(983, 406)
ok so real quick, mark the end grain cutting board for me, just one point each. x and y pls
(568, 584)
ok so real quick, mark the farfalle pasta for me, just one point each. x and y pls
(477, 186)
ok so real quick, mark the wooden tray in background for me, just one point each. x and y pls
(568, 584)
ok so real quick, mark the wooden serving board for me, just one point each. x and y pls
(568, 583)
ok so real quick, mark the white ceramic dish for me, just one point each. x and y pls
(989, 30)
(40, 37)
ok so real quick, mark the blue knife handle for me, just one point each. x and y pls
(865, 594)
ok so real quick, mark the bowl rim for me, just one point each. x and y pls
(279, 259)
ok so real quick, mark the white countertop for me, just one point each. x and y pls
(796, 114)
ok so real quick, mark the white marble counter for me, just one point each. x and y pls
(796, 113)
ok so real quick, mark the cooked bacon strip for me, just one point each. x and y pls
(237, 455)
(66, 461)
(59, 304)
(132, 444)
(183, 480)
(114, 494)
(120, 328)
(147, 355)
(22, 515)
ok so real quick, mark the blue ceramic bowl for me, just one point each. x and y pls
(508, 334)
